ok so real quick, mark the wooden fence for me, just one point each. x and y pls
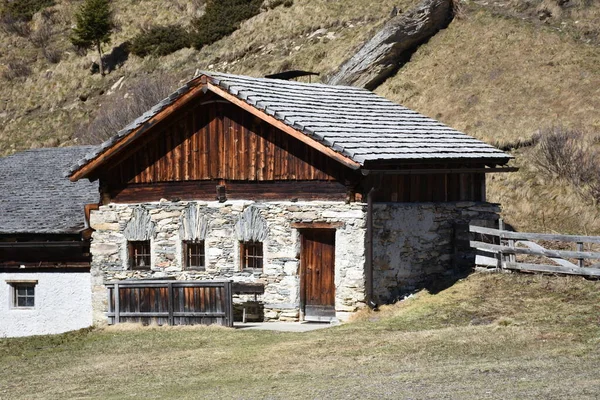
(502, 250)
(170, 302)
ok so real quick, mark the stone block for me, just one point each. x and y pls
(343, 214)
(104, 249)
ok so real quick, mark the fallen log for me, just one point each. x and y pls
(381, 56)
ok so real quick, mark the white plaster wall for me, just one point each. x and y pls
(63, 302)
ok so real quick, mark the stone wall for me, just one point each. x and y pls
(281, 248)
(415, 243)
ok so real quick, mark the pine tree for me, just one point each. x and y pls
(94, 25)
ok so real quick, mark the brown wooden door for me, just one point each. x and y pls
(317, 283)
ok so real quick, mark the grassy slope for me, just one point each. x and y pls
(489, 336)
(501, 79)
(44, 109)
(497, 73)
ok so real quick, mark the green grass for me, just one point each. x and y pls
(489, 336)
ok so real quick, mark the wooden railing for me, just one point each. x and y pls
(170, 302)
(504, 246)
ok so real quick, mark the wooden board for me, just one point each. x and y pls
(215, 140)
(170, 302)
(207, 190)
(317, 281)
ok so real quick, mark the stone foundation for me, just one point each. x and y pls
(281, 248)
(415, 243)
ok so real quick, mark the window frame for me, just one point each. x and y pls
(132, 255)
(15, 286)
(200, 244)
(244, 257)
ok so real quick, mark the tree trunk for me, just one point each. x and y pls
(99, 46)
(385, 53)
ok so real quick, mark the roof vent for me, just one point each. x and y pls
(292, 74)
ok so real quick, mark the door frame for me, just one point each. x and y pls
(302, 228)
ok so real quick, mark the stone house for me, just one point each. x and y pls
(45, 284)
(331, 197)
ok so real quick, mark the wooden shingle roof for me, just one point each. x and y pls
(36, 197)
(354, 122)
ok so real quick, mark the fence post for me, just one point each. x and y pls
(170, 301)
(500, 241)
(580, 260)
(117, 305)
(229, 303)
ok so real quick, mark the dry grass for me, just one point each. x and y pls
(497, 72)
(45, 109)
(489, 336)
(532, 201)
(501, 79)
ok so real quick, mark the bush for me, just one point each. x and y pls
(569, 155)
(222, 17)
(16, 69)
(560, 151)
(52, 55)
(10, 25)
(160, 41)
(269, 5)
(23, 10)
(117, 112)
(41, 37)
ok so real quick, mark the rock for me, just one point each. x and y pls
(318, 32)
(381, 56)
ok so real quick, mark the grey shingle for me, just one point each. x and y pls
(353, 121)
(36, 197)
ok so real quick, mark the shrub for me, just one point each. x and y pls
(222, 17)
(16, 69)
(560, 151)
(23, 10)
(117, 112)
(269, 5)
(160, 41)
(52, 55)
(10, 25)
(569, 155)
(41, 37)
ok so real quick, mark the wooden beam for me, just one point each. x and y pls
(316, 225)
(116, 148)
(425, 171)
(287, 129)
(540, 252)
(533, 236)
(553, 269)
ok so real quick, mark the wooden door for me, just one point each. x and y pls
(317, 282)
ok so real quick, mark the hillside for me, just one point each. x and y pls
(492, 336)
(501, 71)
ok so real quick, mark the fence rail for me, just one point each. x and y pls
(506, 245)
(170, 302)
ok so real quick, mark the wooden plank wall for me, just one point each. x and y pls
(430, 188)
(220, 141)
(44, 250)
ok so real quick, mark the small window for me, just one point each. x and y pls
(194, 255)
(251, 255)
(139, 254)
(23, 295)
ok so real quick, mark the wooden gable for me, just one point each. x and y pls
(209, 142)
